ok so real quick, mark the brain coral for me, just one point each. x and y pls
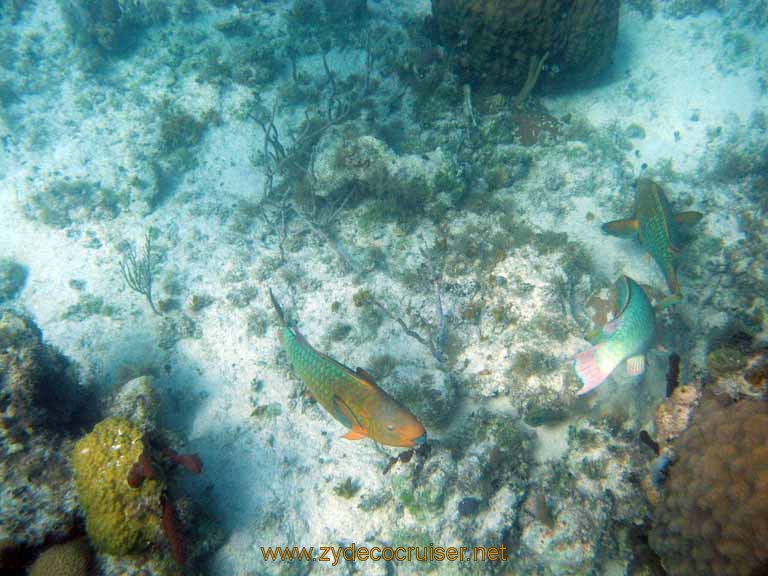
(495, 41)
(69, 559)
(119, 519)
(713, 516)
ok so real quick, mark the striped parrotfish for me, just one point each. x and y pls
(659, 230)
(351, 397)
(627, 337)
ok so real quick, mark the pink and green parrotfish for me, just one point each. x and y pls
(627, 337)
(659, 230)
(351, 397)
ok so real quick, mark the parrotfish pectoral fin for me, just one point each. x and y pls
(636, 365)
(356, 433)
(670, 300)
(611, 327)
(344, 414)
(589, 371)
(622, 228)
(688, 218)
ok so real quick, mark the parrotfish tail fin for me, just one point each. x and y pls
(636, 365)
(672, 283)
(589, 370)
(278, 308)
(622, 228)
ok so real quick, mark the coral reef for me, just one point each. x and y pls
(38, 398)
(124, 477)
(505, 43)
(35, 489)
(713, 515)
(39, 384)
(68, 559)
(119, 519)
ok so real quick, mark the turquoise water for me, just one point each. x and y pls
(423, 187)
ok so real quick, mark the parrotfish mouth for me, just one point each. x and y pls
(420, 440)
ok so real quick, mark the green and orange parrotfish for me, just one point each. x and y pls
(351, 397)
(658, 229)
(627, 337)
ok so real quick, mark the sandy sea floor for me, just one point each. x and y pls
(675, 86)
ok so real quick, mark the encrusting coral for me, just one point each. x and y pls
(120, 519)
(123, 490)
(713, 515)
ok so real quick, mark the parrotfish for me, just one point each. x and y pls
(627, 337)
(659, 230)
(351, 397)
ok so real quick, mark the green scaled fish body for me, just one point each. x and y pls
(627, 337)
(658, 229)
(351, 397)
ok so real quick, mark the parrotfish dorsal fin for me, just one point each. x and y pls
(362, 374)
(346, 368)
(627, 228)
